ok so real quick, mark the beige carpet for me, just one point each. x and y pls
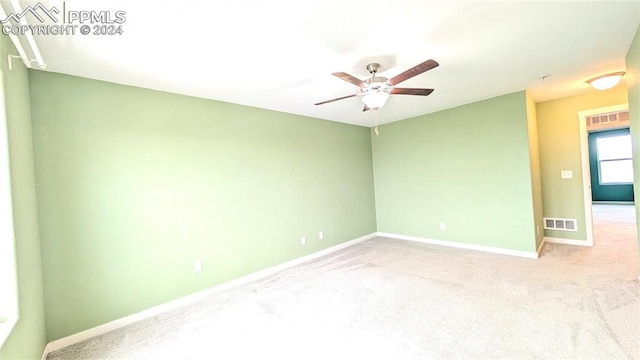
(391, 299)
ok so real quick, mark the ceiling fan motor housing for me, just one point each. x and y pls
(376, 84)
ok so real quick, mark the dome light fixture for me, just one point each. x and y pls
(605, 82)
(374, 99)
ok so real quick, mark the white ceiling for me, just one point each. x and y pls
(280, 54)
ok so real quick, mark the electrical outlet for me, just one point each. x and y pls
(197, 266)
(443, 226)
(321, 235)
(303, 240)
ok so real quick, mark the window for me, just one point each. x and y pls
(614, 160)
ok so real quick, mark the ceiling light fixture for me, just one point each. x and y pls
(605, 82)
(375, 98)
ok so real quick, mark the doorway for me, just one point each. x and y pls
(611, 167)
(584, 155)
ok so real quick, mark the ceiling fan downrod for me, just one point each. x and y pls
(373, 69)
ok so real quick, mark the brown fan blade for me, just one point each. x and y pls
(411, 91)
(416, 70)
(349, 78)
(366, 108)
(336, 99)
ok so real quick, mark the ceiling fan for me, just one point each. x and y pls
(376, 90)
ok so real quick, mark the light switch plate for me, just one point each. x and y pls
(566, 174)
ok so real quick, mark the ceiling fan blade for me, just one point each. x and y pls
(411, 91)
(349, 78)
(366, 108)
(416, 70)
(336, 99)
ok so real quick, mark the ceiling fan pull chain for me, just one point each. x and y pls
(375, 122)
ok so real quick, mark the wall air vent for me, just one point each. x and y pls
(560, 224)
(605, 121)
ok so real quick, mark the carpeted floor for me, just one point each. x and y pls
(392, 299)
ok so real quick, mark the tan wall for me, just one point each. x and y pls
(559, 136)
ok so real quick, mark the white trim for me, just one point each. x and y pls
(541, 246)
(17, 44)
(586, 177)
(496, 250)
(145, 314)
(47, 349)
(584, 157)
(567, 241)
(604, 110)
(27, 34)
(613, 202)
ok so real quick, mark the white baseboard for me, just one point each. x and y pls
(47, 350)
(519, 253)
(145, 314)
(567, 241)
(541, 246)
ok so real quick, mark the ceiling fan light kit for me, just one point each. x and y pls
(375, 91)
(605, 82)
(375, 99)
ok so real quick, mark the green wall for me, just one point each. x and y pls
(633, 84)
(534, 158)
(468, 167)
(135, 184)
(559, 142)
(27, 340)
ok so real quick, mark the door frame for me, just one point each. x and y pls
(584, 157)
